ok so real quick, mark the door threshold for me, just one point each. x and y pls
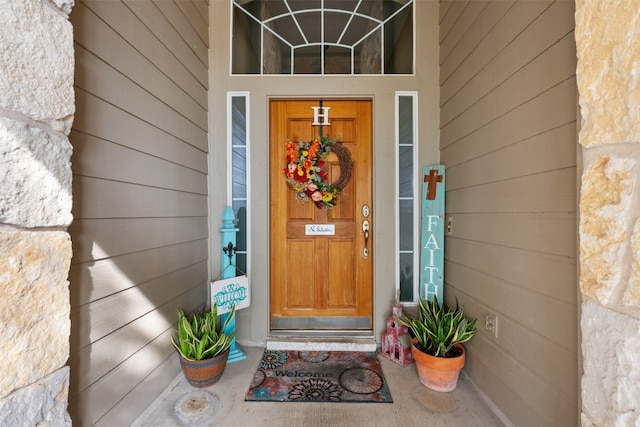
(300, 341)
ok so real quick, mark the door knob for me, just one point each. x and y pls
(365, 230)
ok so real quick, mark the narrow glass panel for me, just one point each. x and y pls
(407, 220)
(406, 225)
(246, 45)
(405, 117)
(307, 60)
(367, 55)
(349, 5)
(304, 4)
(272, 7)
(398, 44)
(310, 22)
(406, 278)
(241, 261)
(333, 25)
(405, 172)
(337, 60)
(287, 29)
(405, 138)
(372, 8)
(392, 6)
(240, 209)
(357, 29)
(277, 55)
(238, 120)
(238, 173)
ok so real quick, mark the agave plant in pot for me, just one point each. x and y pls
(203, 346)
(437, 344)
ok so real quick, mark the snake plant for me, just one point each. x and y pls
(438, 328)
(198, 338)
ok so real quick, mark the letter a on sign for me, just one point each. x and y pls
(317, 115)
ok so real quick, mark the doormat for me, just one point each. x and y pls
(319, 376)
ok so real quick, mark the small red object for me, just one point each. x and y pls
(396, 342)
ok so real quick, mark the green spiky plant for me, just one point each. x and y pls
(438, 328)
(198, 337)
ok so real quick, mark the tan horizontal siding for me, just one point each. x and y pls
(508, 139)
(99, 359)
(140, 191)
(449, 19)
(95, 158)
(103, 367)
(535, 271)
(544, 152)
(100, 39)
(132, 133)
(203, 10)
(189, 23)
(136, 200)
(542, 74)
(104, 238)
(552, 191)
(452, 43)
(140, 37)
(102, 317)
(547, 111)
(108, 84)
(195, 59)
(118, 273)
(145, 393)
(548, 233)
(535, 391)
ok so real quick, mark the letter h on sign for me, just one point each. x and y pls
(324, 115)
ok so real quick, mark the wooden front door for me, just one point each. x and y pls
(321, 281)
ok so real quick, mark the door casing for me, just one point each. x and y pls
(339, 297)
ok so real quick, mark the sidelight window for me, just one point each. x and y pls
(407, 209)
(238, 170)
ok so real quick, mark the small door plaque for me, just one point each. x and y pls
(320, 229)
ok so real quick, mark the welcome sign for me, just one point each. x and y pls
(432, 242)
(227, 292)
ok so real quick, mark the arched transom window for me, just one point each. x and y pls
(322, 37)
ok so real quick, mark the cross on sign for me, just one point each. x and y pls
(433, 179)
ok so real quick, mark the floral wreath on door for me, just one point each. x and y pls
(305, 171)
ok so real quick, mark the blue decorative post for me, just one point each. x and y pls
(228, 268)
(432, 242)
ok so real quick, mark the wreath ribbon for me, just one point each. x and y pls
(305, 172)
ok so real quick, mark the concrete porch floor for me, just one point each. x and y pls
(413, 404)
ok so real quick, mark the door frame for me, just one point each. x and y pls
(355, 331)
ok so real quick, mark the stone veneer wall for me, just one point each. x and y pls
(36, 113)
(608, 74)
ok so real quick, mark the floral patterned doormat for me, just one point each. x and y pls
(319, 376)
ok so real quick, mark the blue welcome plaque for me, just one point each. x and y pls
(432, 237)
(227, 292)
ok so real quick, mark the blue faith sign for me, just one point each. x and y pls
(432, 240)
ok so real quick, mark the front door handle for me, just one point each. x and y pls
(365, 230)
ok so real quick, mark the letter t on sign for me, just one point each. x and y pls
(433, 179)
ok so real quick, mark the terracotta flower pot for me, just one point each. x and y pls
(438, 373)
(203, 373)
